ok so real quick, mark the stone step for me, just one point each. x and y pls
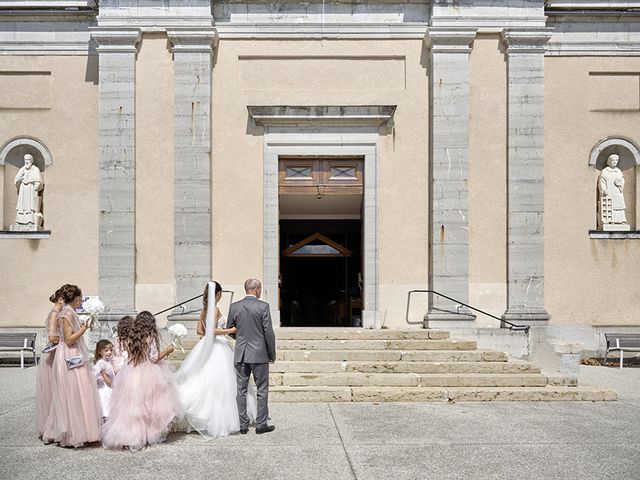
(447, 344)
(282, 394)
(356, 379)
(393, 355)
(346, 334)
(375, 344)
(381, 355)
(402, 367)
(358, 334)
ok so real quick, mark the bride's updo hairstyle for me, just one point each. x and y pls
(69, 292)
(142, 329)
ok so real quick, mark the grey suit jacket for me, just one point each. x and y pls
(255, 340)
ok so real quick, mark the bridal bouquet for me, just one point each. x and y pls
(177, 332)
(93, 306)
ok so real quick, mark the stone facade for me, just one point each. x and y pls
(481, 124)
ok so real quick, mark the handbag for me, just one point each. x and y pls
(74, 362)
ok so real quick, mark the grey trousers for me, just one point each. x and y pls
(261, 376)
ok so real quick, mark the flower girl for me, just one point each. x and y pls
(120, 338)
(103, 370)
(144, 401)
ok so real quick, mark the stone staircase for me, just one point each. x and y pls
(356, 365)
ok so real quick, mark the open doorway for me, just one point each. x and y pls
(320, 275)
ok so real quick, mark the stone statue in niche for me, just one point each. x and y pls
(29, 183)
(611, 199)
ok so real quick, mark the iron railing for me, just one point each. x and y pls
(191, 300)
(509, 325)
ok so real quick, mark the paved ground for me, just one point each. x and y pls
(361, 441)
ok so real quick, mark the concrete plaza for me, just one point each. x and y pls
(364, 441)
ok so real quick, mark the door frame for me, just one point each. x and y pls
(325, 141)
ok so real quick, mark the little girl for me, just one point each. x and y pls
(145, 400)
(103, 370)
(122, 330)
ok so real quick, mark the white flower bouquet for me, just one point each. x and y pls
(93, 306)
(177, 332)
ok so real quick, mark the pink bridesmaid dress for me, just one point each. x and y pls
(75, 416)
(144, 403)
(44, 378)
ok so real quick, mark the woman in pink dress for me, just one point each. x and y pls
(44, 377)
(144, 400)
(75, 417)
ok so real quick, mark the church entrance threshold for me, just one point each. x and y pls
(320, 273)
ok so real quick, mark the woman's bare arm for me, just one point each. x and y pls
(200, 328)
(71, 337)
(53, 320)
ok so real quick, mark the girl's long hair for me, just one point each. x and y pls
(123, 330)
(142, 330)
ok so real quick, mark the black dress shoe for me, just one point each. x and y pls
(266, 429)
(243, 431)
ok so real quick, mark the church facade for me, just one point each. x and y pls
(345, 153)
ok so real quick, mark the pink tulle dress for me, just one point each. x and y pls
(44, 376)
(75, 416)
(144, 403)
(103, 389)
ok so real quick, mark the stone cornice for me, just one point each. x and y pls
(488, 23)
(450, 40)
(47, 4)
(345, 115)
(116, 40)
(316, 30)
(193, 40)
(523, 41)
(591, 5)
(156, 23)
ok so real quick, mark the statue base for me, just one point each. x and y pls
(27, 227)
(616, 227)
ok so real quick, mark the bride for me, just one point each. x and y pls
(207, 379)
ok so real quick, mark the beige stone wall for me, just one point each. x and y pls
(587, 280)
(330, 73)
(487, 178)
(155, 285)
(66, 121)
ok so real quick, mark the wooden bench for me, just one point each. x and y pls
(19, 342)
(621, 342)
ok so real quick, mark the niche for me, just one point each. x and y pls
(11, 160)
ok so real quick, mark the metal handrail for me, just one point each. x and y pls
(511, 326)
(190, 300)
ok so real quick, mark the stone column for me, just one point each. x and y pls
(525, 175)
(116, 157)
(192, 53)
(449, 165)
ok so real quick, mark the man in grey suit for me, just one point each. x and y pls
(255, 350)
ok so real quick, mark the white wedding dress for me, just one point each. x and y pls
(207, 385)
